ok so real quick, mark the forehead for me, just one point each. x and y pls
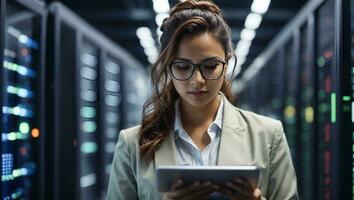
(199, 47)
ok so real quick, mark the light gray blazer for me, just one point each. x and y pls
(246, 139)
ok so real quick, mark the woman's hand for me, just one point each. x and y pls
(240, 189)
(197, 190)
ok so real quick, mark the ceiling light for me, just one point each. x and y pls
(260, 6)
(147, 42)
(253, 21)
(242, 52)
(247, 34)
(161, 6)
(143, 32)
(243, 44)
(160, 17)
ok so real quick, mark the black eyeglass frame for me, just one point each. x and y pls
(195, 66)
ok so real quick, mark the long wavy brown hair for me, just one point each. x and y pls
(187, 18)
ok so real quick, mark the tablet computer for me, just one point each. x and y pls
(167, 174)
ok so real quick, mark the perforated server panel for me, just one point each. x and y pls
(290, 117)
(352, 91)
(111, 109)
(307, 104)
(135, 94)
(88, 122)
(21, 80)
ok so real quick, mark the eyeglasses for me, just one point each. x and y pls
(211, 69)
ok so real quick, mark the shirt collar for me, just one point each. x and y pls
(178, 128)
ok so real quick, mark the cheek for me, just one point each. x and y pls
(216, 85)
(178, 85)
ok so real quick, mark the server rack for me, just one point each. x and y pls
(22, 43)
(351, 109)
(136, 92)
(308, 163)
(324, 101)
(327, 127)
(111, 109)
(85, 108)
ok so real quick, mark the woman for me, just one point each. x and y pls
(190, 121)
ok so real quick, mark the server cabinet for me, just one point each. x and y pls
(22, 43)
(86, 99)
(308, 165)
(327, 84)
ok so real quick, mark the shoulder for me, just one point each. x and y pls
(130, 135)
(262, 127)
(254, 120)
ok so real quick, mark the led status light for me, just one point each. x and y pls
(89, 147)
(89, 126)
(24, 127)
(21, 92)
(22, 70)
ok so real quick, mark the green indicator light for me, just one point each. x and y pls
(11, 89)
(333, 107)
(88, 147)
(88, 112)
(11, 136)
(24, 127)
(16, 173)
(346, 98)
(89, 126)
(321, 61)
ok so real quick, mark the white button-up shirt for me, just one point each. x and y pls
(187, 152)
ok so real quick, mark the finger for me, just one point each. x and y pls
(257, 194)
(226, 192)
(245, 182)
(203, 194)
(181, 192)
(177, 184)
(203, 191)
(239, 189)
(232, 194)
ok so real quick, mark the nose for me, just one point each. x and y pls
(197, 78)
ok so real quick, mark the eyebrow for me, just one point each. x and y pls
(206, 59)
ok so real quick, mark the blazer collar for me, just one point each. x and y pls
(232, 140)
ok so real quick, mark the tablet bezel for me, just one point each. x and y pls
(167, 174)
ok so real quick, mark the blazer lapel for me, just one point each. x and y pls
(233, 135)
(166, 154)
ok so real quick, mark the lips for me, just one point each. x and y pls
(197, 93)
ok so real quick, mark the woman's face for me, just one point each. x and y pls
(198, 91)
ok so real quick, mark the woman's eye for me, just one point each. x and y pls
(210, 65)
(182, 66)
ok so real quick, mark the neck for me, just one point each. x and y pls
(196, 116)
